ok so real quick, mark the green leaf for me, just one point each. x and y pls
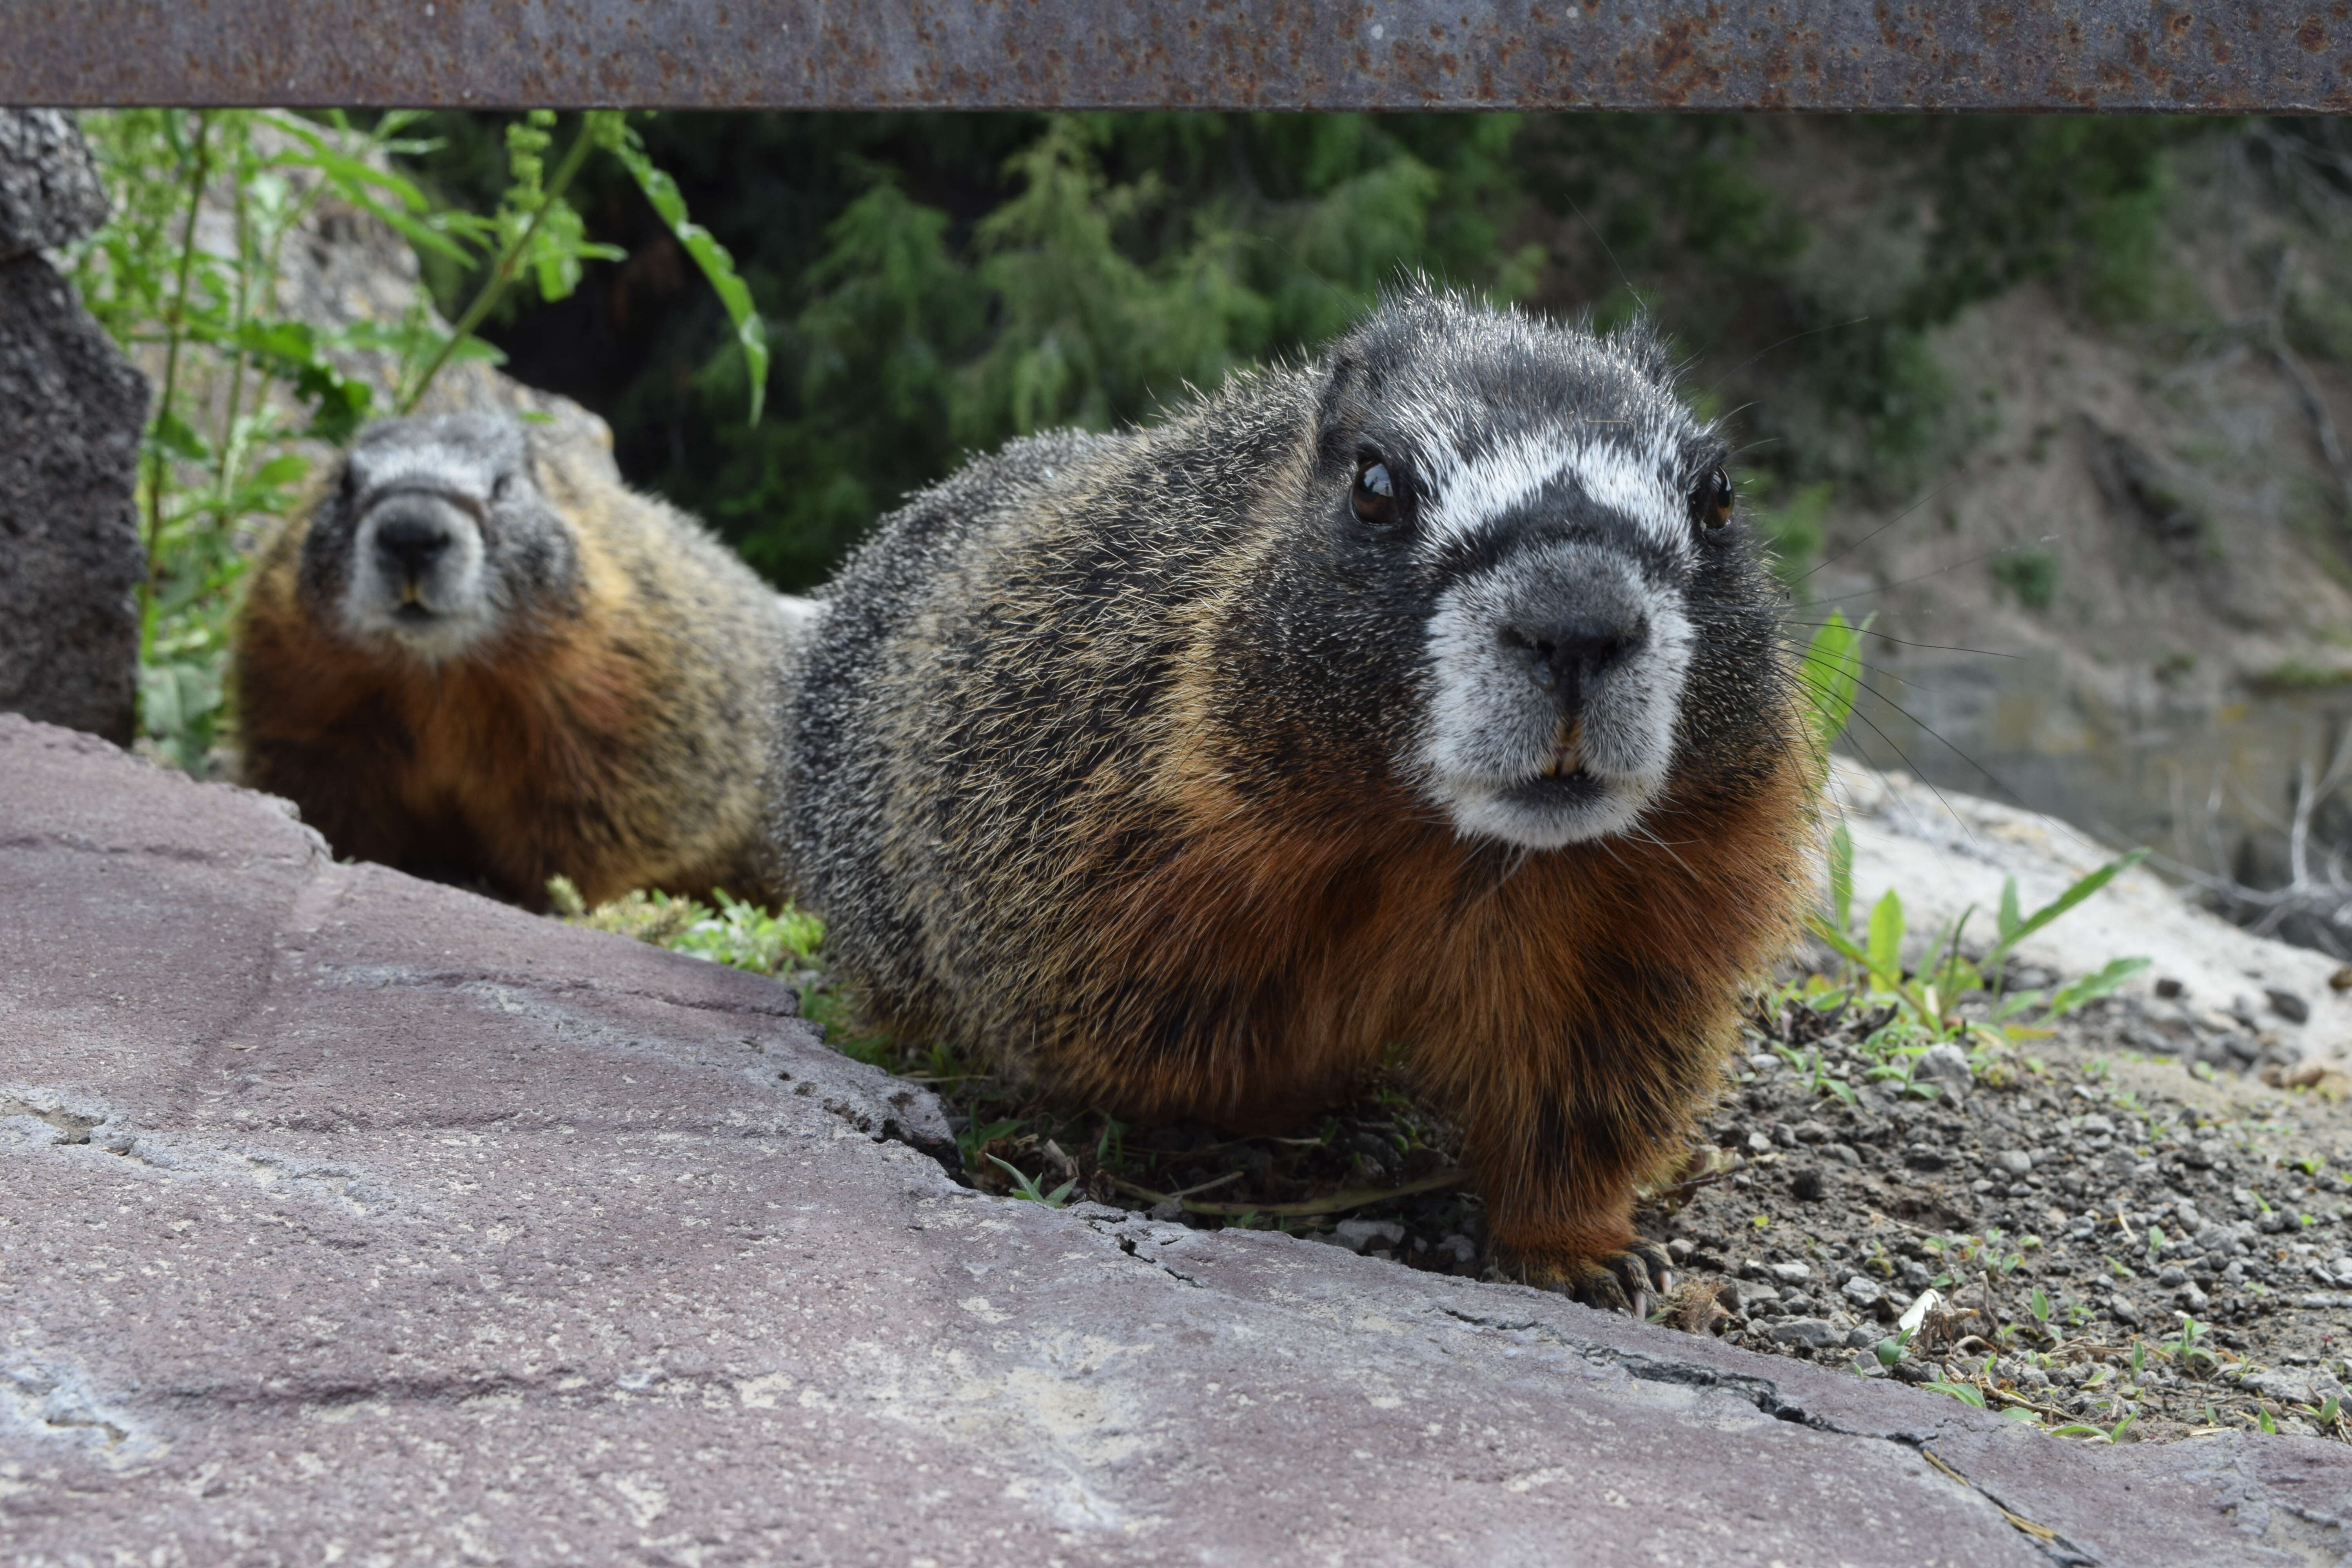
(178, 438)
(1841, 877)
(1830, 672)
(1966, 1392)
(285, 469)
(1886, 938)
(2091, 987)
(2066, 900)
(750, 332)
(1845, 946)
(2008, 919)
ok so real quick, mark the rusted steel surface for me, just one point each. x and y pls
(1222, 54)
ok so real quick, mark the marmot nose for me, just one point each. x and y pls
(1563, 657)
(412, 542)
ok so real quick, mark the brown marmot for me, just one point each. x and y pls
(479, 656)
(1425, 703)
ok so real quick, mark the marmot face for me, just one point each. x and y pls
(435, 538)
(1553, 525)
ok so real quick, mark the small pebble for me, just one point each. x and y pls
(1809, 1184)
(1791, 1273)
(2016, 1162)
(1863, 1291)
(2289, 1005)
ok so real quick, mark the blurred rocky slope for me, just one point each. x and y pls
(2115, 577)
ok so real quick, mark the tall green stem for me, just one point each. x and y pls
(176, 328)
(508, 262)
(229, 452)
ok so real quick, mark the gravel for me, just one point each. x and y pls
(2152, 1240)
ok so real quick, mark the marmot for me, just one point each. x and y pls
(477, 656)
(1423, 703)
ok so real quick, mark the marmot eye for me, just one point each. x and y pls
(1710, 503)
(1375, 497)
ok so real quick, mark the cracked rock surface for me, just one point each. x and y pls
(349, 1216)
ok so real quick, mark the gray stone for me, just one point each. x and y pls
(2121, 1307)
(50, 194)
(1947, 1065)
(1817, 1332)
(71, 410)
(1791, 1273)
(347, 1215)
(2287, 1005)
(1863, 1291)
(2193, 1299)
(2014, 1161)
(1363, 1235)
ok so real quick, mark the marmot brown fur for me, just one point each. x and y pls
(1424, 703)
(479, 656)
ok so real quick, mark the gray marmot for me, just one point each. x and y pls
(1424, 703)
(477, 655)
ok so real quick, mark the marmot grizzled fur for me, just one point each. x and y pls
(1424, 703)
(478, 655)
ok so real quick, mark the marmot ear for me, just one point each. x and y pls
(1640, 341)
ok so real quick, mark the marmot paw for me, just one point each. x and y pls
(1633, 1281)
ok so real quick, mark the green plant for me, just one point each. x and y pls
(1815, 1076)
(2031, 575)
(1830, 675)
(238, 382)
(1025, 1187)
(1966, 1392)
(1925, 1002)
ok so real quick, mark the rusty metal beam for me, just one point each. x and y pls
(2223, 57)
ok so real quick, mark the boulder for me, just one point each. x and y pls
(349, 1216)
(71, 410)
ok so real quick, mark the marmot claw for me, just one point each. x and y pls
(1631, 1281)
